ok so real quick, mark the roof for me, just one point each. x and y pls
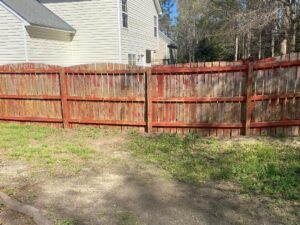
(167, 39)
(36, 14)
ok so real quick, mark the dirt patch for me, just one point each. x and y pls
(118, 189)
(9, 217)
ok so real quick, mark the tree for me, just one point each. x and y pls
(237, 28)
(165, 18)
(187, 32)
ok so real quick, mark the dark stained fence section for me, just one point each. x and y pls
(212, 99)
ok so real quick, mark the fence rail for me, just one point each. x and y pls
(215, 99)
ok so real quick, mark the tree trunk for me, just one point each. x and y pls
(244, 48)
(273, 44)
(293, 45)
(248, 44)
(283, 43)
(259, 47)
(236, 48)
(287, 16)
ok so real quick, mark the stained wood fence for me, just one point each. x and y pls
(213, 99)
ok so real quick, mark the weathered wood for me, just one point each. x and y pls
(37, 215)
(107, 122)
(207, 98)
(149, 100)
(31, 97)
(31, 119)
(105, 99)
(64, 101)
(198, 99)
(248, 98)
(195, 70)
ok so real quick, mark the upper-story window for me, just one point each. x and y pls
(155, 26)
(124, 13)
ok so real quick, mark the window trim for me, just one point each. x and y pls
(124, 8)
(155, 26)
(132, 60)
(148, 54)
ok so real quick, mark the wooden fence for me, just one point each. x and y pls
(213, 99)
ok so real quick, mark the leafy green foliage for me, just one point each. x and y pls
(260, 166)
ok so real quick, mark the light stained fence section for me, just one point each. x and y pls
(212, 99)
(107, 95)
(208, 100)
(276, 97)
(30, 93)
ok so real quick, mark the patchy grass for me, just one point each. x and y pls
(66, 222)
(270, 167)
(47, 147)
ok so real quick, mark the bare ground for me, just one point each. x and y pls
(118, 189)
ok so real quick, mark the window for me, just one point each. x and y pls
(148, 56)
(132, 59)
(155, 26)
(124, 13)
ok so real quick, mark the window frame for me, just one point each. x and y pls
(132, 60)
(155, 26)
(148, 56)
(124, 7)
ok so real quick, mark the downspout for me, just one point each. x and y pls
(119, 30)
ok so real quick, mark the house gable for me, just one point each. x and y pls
(36, 14)
(97, 29)
(157, 6)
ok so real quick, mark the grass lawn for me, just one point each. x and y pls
(45, 147)
(261, 168)
(264, 166)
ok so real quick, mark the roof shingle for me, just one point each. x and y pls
(36, 14)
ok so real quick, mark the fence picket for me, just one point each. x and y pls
(216, 99)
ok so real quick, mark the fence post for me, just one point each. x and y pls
(249, 96)
(64, 101)
(148, 95)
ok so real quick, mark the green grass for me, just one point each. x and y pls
(47, 147)
(264, 166)
(66, 222)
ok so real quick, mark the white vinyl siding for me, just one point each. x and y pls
(96, 22)
(163, 54)
(12, 48)
(139, 36)
(48, 46)
(100, 36)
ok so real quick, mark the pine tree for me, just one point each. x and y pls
(165, 18)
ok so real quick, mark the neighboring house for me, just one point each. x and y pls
(167, 51)
(68, 32)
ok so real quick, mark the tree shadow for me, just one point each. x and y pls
(142, 197)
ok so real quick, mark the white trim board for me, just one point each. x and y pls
(25, 23)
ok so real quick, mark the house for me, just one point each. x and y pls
(167, 51)
(69, 32)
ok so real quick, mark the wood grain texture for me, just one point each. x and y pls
(211, 98)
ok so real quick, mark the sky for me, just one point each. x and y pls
(174, 12)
